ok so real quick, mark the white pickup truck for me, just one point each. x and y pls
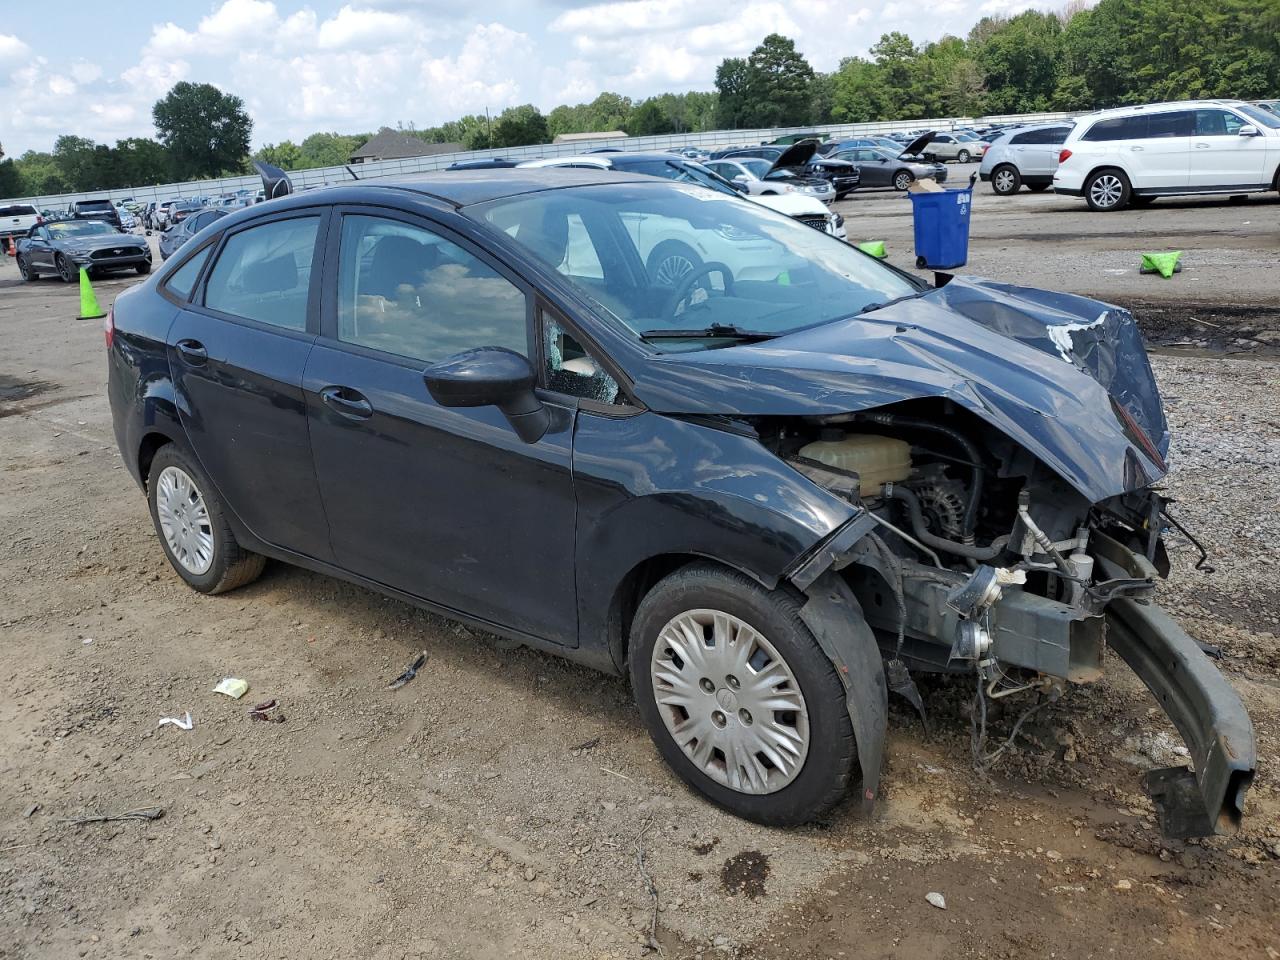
(16, 219)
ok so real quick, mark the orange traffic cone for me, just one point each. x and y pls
(11, 248)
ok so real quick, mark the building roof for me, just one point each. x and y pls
(388, 144)
(599, 135)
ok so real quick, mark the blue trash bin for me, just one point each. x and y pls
(941, 222)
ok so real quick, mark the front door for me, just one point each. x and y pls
(236, 355)
(1220, 157)
(447, 504)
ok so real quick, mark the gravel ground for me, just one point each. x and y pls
(507, 803)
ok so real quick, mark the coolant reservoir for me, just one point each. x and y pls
(876, 460)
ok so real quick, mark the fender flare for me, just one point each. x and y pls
(834, 616)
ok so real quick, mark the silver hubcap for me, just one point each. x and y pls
(1004, 181)
(184, 520)
(672, 268)
(730, 701)
(902, 182)
(1106, 190)
(964, 156)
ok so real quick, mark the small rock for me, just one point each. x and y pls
(530, 874)
(937, 900)
(1124, 885)
(1052, 855)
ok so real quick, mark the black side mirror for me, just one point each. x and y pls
(491, 376)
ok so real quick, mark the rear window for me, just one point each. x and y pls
(1043, 135)
(264, 272)
(94, 205)
(184, 278)
(18, 210)
(1118, 128)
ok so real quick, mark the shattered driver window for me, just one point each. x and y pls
(571, 370)
(407, 291)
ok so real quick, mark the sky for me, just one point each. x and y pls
(96, 68)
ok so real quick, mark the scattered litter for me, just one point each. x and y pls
(586, 745)
(622, 776)
(268, 712)
(409, 674)
(87, 640)
(145, 813)
(874, 248)
(233, 687)
(937, 900)
(182, 723)
(1165, 264)
(30, 810)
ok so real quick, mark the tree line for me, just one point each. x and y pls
(1078, 58)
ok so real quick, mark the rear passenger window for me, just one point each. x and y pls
(184, 278)
(264, 273)
(408, 291)
(1179, 123)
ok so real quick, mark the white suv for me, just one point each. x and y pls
(1135, 154)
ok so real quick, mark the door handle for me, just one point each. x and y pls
(193, 352)
(1136, 148)
(1202, 146)
(349, 403)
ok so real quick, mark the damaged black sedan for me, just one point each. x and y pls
(770, 489)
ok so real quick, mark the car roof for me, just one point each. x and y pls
(1159, 107)
(460, 188)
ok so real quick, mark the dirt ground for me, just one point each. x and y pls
(507, 803)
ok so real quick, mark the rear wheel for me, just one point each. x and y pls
(902, 179)
(1006, 180)
(963, 156)
(739, 698)
(1107, 190)
(192, 525)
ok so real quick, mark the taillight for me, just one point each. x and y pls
(109, 326)
(1062, 157)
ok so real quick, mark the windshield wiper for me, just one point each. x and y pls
(870, 307)
(725, 330)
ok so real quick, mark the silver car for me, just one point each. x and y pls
(1024, 156)
(762, 180)
(960, 147)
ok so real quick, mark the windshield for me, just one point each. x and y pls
(79, 228)
(757, 168)
(1258, 115)
(662, 257)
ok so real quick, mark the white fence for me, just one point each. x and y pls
(322, 176)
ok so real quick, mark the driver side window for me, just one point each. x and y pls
(571, 370)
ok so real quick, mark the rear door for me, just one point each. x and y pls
(237, 352)
(1156, 149)
(447, 504)
(1220, 157)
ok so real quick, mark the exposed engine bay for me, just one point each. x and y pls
(972, 557)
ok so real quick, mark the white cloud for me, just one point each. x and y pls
(632, 17)
(85, 72)
(365, 28)
(12, 50)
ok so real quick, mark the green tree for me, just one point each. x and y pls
(206, 131)
(139, 162)
(731, 91)
(10, 179)
(77, 161)
(778, 81)
(328, 149)
(857, 95)
(41, 175)
(286, 155)
(649, 119)
(519, 126)
(1020, 61)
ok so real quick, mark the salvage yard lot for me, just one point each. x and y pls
(506, 803)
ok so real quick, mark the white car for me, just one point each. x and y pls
(761, 178)
(1135, 154)
(16, 220)
(127, 220)
(798, 206)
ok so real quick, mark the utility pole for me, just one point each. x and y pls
(488, 128)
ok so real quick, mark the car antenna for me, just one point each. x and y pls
(350, 171)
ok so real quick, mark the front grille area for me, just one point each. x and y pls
(815, 220)
(114, 253)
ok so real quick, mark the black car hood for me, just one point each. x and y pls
(796, 155)
(919, 143)
(1064, 376)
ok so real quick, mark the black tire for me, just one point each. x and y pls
(827, 769)
(1037, 187)
(232, 566)
(1107, 190)
(921, 263)
(144, 268)
(66, 270)
(963, 156)
(664, 255)
(902, 179)
(1006, 180)
(25, 270)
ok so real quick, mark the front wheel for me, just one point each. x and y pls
(66, 270)
(1006, 180)
(144, 268)
(902, 179)
(1107, 190)
(963, 156)
(25, 270)
(671, 261)
(193, 528)
(738, 697)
